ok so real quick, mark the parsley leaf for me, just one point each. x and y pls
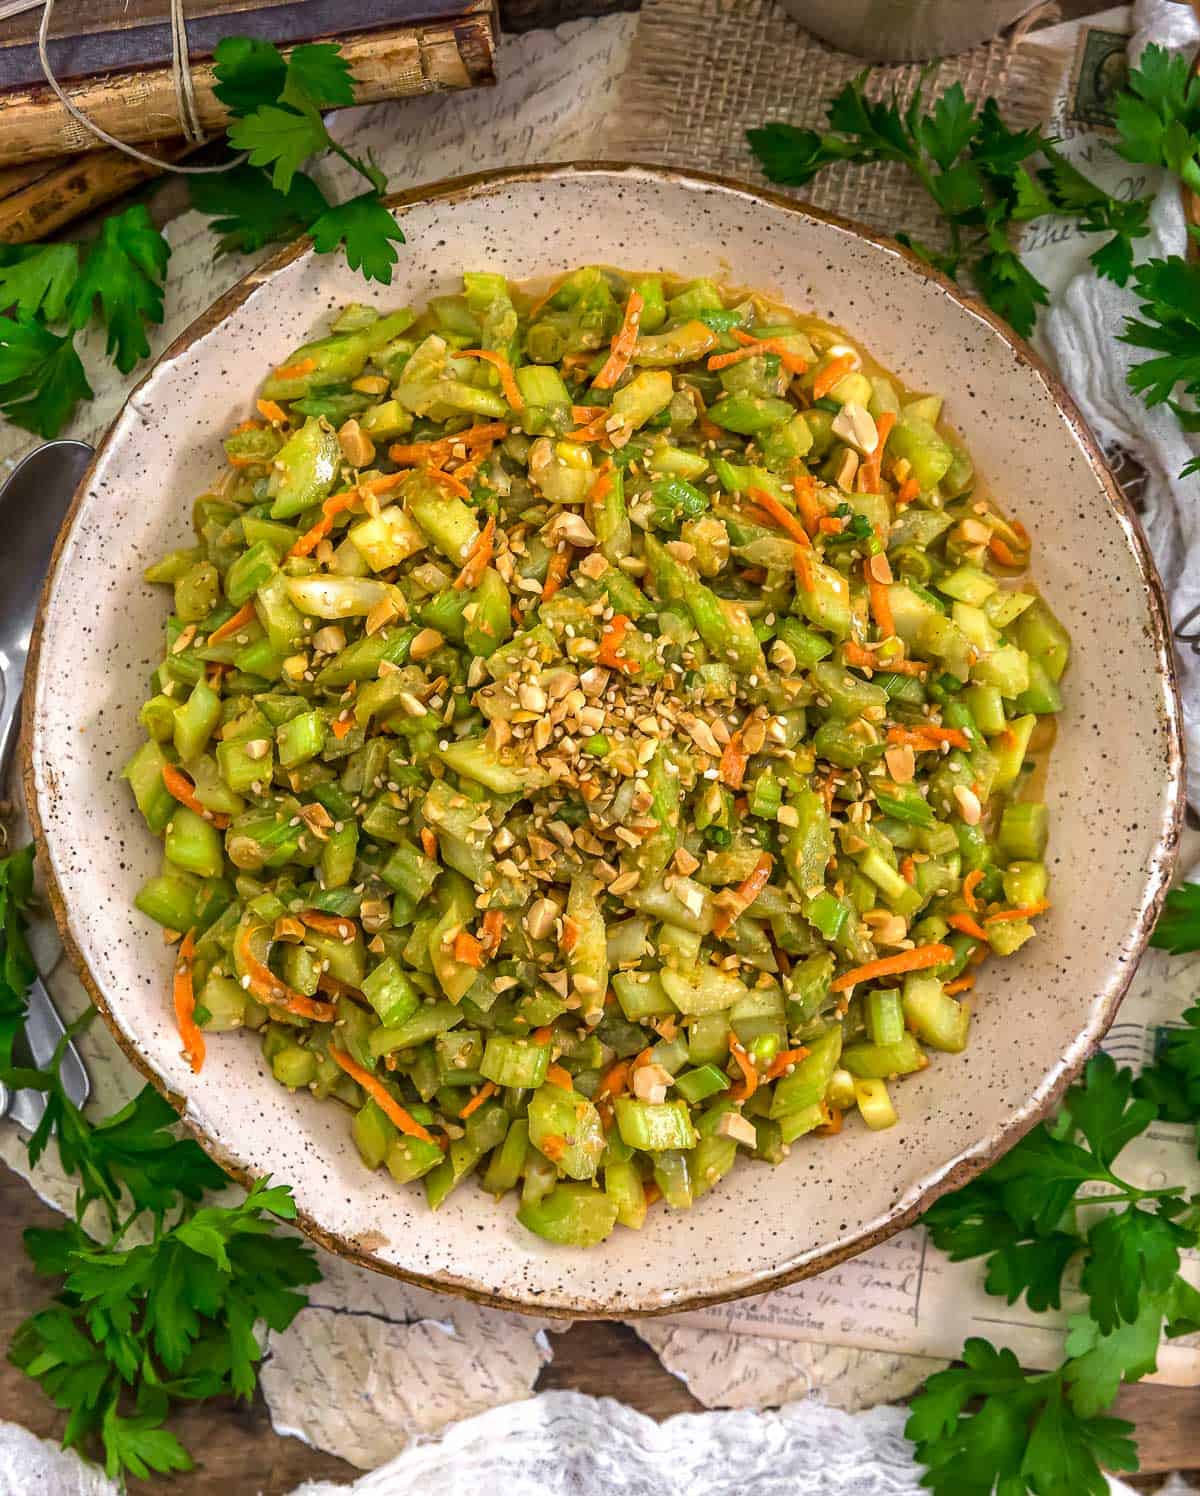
(318, 76)
(249, 73)
(792, 156)
(123, 271)
(946, 130)
(1158, 114)
(366, 228)
(133, 1150)
(1172, 1083)
(248, 212)
(1023, 1435)
(1178, 927)
(1104, 1110)
(138, 1445)
(1131, 1254)
(170, 1317)
(41, 377)
(37, 278)
(281, 139)
(1099, 1361)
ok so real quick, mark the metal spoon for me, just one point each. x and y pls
(33, 504)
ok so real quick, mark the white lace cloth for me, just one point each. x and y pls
(567, 1444)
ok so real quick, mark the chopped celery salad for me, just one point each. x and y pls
(596, 741)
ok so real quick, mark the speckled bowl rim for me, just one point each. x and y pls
(1161, 863)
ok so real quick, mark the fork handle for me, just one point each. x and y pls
(43, 1030)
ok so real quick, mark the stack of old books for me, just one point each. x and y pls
(114, 60)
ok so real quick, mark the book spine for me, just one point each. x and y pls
(141, 106)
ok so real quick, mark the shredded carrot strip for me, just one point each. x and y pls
(380, 1095)
(272, 412)
(829, 524)
(831, 1128)
(268, 988)
(246, 426)
(908, 870)
(298, 370)
(614, 1080)
(709, 430)
(751, 346)
(467, 949)
(967, 924)
(623, 344)
(338, 503)
(609, 653)
(833, 373)
(479, 557)
(970, 883)
(556, 573)
(602, 483)
(244, 615)
(330, 924)
(489, 1088)
(508, 380)
(493, 929)
(960, 984)
(1003, 552)
(748, 1084)
(435, 453)
(804, 491)
(448, 480)
(928, 737)
(733, 762)
(783, 1060)
(185, 1004)
(543, 1035)
(782, 516)
(1023, 911)
(341, 727)
(917, 959)
(870, 469)
(790, 360)
(907, 492)
(881, 603)
(557, 1076)
(429, 843)
(181, 788)
(746, 892)
(855, 654)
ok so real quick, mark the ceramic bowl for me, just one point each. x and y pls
(1114, 786)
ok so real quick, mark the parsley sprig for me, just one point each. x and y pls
(51, 292)
(277, 120)
(1056, 1204)
(977, 171)
(986, 179)
(134, 1328)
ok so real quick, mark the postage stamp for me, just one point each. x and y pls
(1098, 73)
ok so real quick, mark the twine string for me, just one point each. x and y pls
(185, 97)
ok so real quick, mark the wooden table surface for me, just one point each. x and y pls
(235, 1446)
